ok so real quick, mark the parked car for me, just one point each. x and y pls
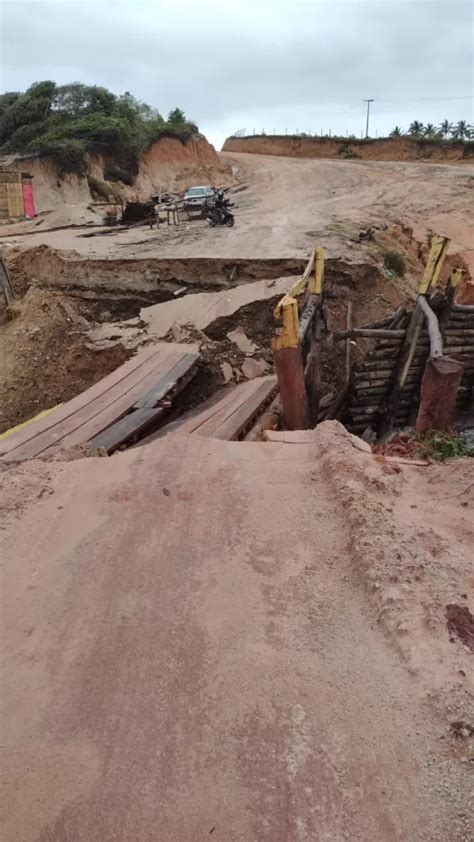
(198, 197)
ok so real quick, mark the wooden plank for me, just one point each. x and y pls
(15, 199)
(135, 423)
(239, 395)
(89, 426)
(240, 418)
(228, 417)
(169, 382)
(90, 418)
(65, 410)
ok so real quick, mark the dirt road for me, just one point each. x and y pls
(287, 203)
(190, 651)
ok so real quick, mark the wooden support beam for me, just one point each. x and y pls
(438, 251)
(356, 332)
(463, 308)
(436, 341)
(289, 365)
(348, 341)
(451, 289)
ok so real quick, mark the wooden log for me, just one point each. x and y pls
(439, 390)
(381, 323)
(307, 315)
(401, 369)
(348, 341)
(356, 332)
(457, 348)
(463, 308)
(312, 372)
(337, 407)
(436, 340)
(398, 318)
(445, 313)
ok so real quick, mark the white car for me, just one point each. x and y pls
(196, 197)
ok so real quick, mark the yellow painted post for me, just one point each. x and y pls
(315, 285)
(286, 311)
(456, 278)
(289, 364)
(438, 251)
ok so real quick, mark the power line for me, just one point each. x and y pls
(428, 99)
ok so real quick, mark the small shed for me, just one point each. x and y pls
(16, 195)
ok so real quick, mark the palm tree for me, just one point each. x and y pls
(396, 132)
(416, 128)
(460, 130)
(430, 130)
(446, 128)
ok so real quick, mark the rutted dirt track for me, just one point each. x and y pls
(196, 654)
(239, 641)
(289, 203)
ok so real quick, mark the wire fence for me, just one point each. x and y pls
(292, 133)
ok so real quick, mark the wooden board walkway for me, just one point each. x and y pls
(230, 416)
(112, 411)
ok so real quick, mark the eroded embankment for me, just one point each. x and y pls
(388, 149)
(119, 288)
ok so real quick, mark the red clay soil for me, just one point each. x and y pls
(211, 638)
(45, 358)
(388, 149)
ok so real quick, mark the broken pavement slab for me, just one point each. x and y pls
(202, 308)
(254, 368)
(244, 344)
(227, 372)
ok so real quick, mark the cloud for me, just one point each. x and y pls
(268, 62)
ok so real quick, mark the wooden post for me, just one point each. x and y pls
(289, 365)
(439, 389)
(439, 248)
(311, 320)
(436, 341)
(348, 341)
(453, 284)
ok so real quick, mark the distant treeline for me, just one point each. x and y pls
(446, 131)
(66, 122)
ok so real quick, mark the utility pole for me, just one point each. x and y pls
(368, 101)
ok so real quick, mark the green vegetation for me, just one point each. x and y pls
(394, 262)
(69, 121)
(441, 446)
(459, 131)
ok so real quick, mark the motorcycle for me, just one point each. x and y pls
(221, 215)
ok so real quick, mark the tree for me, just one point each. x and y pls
(176, 116)
(446, 128)
(396, 132)
(460, 130)
(416, 128)
(71, 121)
(430, 130)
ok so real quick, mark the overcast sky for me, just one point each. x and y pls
(254, 64)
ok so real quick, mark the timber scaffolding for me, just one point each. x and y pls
(420, 371)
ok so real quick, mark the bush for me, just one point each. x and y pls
(70, 155)
(441, 446)
(395, 262)
(114, 172)
(69, 121)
